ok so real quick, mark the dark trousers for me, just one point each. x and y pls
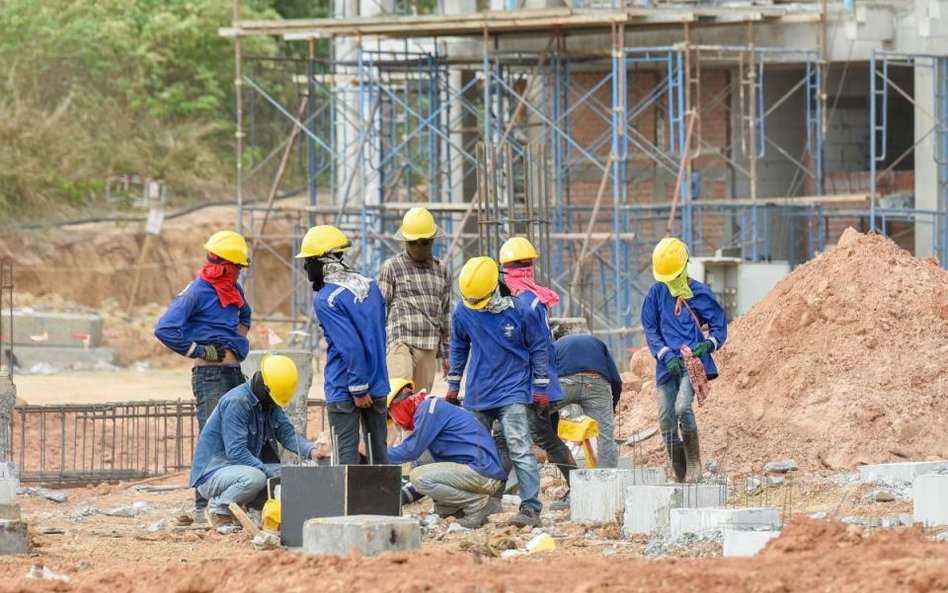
(346, 419)
(543, 432)
(209, 384)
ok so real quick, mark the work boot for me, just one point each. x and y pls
(562, 504)
(692, 454)
(477, 519)
(679, 462)
(444, 512)
(526, 518)
(494, 505)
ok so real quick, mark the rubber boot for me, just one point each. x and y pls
(692, 454)
(679, 464)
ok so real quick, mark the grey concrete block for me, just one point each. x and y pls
(747, 542)
(10, 512)
(367, 534)
(599, 494)
(906, 471)
(648, 507)
(930, 499)
(296, 410)
(62, 357)
(14, 537)
(702, 520)
(8, 488)
(68, 330)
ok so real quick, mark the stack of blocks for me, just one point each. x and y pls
(14, 538)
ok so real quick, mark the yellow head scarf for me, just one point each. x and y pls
(679, 287)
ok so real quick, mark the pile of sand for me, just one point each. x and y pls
(843, 362)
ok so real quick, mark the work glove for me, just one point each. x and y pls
(452, 398)
(674, 366)
(705, 347)
(542, 400)
(212, 352)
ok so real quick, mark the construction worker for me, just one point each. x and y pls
(590, 379)
(517, 256)
(417, 291)
(208, 321)
(507, 367)
(673, 313)
(237, 450)
(466, 468)
(351, 313)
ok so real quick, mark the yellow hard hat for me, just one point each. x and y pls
(478, 281)
(397, 384)
(230, 246)
(271, 515)
(418, 223)
(280, 376)
(669, 259)
(321, 240)
(517, 249)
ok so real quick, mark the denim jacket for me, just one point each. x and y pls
(237, 431)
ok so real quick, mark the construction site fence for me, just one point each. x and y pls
(75, 444)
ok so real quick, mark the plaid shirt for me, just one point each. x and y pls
(418, 301)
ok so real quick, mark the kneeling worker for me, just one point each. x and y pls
(467, 466)
(237, 450)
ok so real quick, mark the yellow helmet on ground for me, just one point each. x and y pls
(517, 249)
(230, 246)
(418, 223)
(321, 240)
(397, 385)
(478, 281)
(669, 259)
(280, 376)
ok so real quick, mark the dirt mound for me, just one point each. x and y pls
(841, 363)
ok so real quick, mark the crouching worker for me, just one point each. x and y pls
(467, 466)
(237, 450)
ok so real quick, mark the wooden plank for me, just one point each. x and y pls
(247, 523)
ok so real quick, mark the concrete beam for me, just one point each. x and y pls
(599, 494)
(747, 542)
(14, 537)
(367, 534)
(930, 499)
(702, 520)
(648, 508)
(60, 357)
(906, 471)
(70, 330)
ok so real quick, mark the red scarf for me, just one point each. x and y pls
(521, 279)
(222, 275)
(403, 413)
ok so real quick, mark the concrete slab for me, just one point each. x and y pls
(296, 410)
(906, 471)
(367, 534)
(930, 499)
(10, 512)
(14, 537)
(8, 488)
(747, 542)
(599, 494)
(39, 328)
(648, 507)
(682, 521)
(61, 357)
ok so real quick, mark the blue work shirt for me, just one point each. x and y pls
(237, 432)
(509, 360)
(667, 332)
(355, 339)
(580, 353)
(196, 317)
(451, 435)
(538, 318)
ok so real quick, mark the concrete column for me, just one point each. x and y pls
(926, 170)
(296, 410)
(7, 401)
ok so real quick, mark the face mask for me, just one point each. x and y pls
(314, 272)
(420, 251)
(259, 389)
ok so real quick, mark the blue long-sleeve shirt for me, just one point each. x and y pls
(578, 353)
(451, 435)
(666, 332)
(355, 338)
(237, 432)
(537, 317)
(196, 317)
(509, 361)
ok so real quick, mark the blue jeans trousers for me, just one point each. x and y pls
(234, 483)
(674, 410)
(515, 424)
(209, 384)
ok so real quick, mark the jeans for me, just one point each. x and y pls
(234, 483)
(674, 409)
(543, 433)
(345, 419)
(515, 425)
(453, 487)
(209, 383)
(593, 394)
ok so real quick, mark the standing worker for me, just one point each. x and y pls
(351, 313)
(517, 257)
(208, 322)
(673, 312)
(466, 468)
(417, 291)
(590, 379)
(507, 368)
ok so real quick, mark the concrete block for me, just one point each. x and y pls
(296, 410)
(682, 521)
(747, 542)
(68, 330)
(367, 534)
(9, 512)
(648, 507)
(14, 537)
(565, 326)
(8, 488)
(906, 471)
(930, 499)
(61, 357)
(599, 494)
